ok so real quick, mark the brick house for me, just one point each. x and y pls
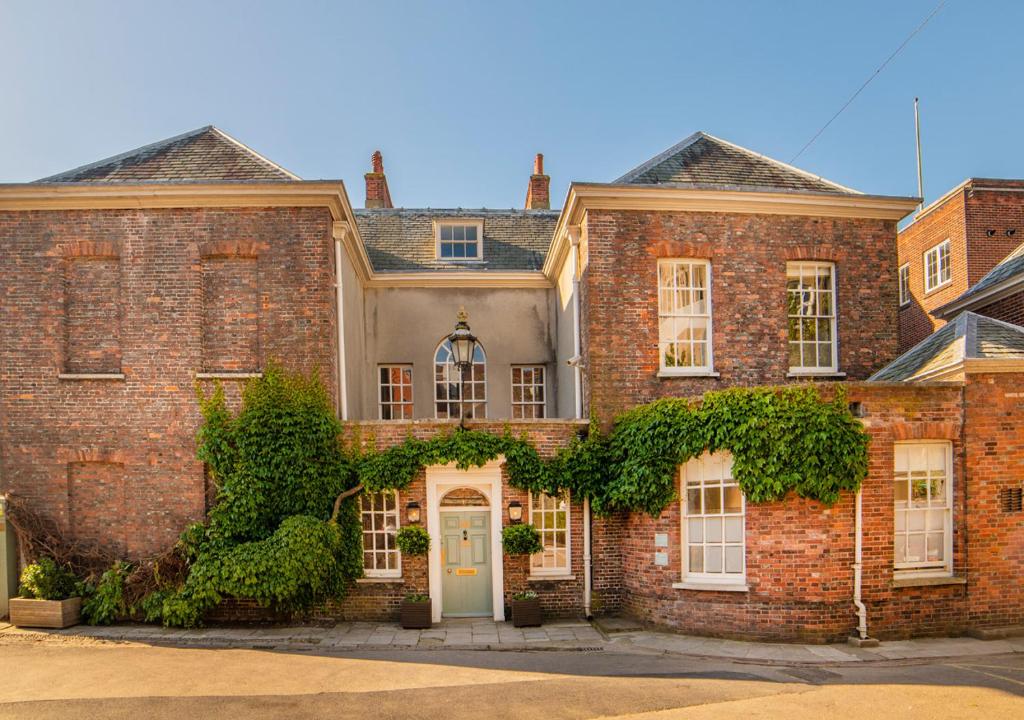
(196, 259)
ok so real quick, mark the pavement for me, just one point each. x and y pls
(486, 635)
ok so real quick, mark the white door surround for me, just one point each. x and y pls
(487, 480)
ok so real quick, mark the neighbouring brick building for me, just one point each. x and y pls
(195, 259)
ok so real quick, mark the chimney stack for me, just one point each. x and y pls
(538, 196)
(377, 194)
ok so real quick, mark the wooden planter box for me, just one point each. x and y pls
(526, 613)
(415, 615)
(27, 612)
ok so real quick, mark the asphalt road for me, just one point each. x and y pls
(43, 680)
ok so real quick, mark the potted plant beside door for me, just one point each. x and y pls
(523, 539)
(415, 610)
(50, 597)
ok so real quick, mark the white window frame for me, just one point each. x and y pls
(381, 403)
(702, 580)
(375, 572)
(904, 282)
(941, 253)
(833, 367)
(538, 406)
(459, 222)
(553, 570)
(451, 380)
(925, 568)
(667, 314)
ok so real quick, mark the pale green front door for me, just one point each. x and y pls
(466, 563)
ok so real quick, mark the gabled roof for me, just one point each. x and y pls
(1007, 275)
(205, 154)
(703, 160)
(969, 337)
(402, 240)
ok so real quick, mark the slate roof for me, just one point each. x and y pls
(1009, 267)
(402, 240)
(705, 161)
(970, 336)
(205, 154)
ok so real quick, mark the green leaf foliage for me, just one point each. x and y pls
(47, 580)
(413, 540)
(521, 539)
(105, 603)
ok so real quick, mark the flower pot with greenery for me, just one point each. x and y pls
(50, 597)
(523, 539)
(415, 610)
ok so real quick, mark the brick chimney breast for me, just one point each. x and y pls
(538, 193)
(377, 193)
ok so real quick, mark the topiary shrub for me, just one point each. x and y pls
(521, 539)
(413, 540)
(46, 580)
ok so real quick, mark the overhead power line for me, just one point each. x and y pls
(867, 82)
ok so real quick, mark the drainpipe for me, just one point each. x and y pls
(862, 611)
(340, 230)
(574, 240)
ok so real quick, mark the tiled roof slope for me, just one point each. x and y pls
(205, 154)
(703, 160)
(969, 336)
(402, 240)
(1010, 266)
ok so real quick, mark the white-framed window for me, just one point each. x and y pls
(528, 396)
(684, 316)
(394, 392)
(550, 515)
(379, 513)
(811, 300)
(923, 508)
(448, 388)
(461, 240)
(904, 284)
(936, 266)
(713, 521)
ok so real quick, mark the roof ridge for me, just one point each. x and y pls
(249, 150)
(787, 166)
(128, 153)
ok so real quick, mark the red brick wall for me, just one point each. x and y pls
(230, 314)
(1010, 309)
(92, 315)
(996, 212)
(748, 255)
(96, 500)
(146, 422)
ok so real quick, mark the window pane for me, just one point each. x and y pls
(733, 499)
(712, 500)
(713, 558)
(733, 529)
(734, 559)
(695, 530)
(713, 530)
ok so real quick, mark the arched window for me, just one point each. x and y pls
(447, 388)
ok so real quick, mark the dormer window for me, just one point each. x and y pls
(459, 241)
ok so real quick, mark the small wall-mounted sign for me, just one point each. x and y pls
(661, 558)
(465, 571)
(660, 539)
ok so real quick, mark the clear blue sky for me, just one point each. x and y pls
(460, 95)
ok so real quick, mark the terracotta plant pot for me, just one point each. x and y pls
(415, 615)
(526, 613)
(27, 612)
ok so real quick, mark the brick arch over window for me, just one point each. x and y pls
(822, 253)
(925, 431)
(100, 250)
(231, 249)
(683, 248)
(447, 387)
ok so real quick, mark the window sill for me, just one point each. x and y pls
(549, 578)
(379, 580)
(815, 374)
(685, 374)
(227, 375)
(938, 287)
(710, 587)
(927, 580)
(90, 376)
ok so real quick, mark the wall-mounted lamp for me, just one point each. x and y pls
(515, 511)
(412, 512)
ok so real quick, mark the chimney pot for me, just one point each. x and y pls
(378, 162)
(538, 164)
(377, 193)
(538, 191)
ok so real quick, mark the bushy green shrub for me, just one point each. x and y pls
(47, 580)
(522, 539)
(106, 603)
(413, 540)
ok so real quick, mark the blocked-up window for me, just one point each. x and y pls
(923, 508)
(230, 314)
(97, 509)
(92, 315)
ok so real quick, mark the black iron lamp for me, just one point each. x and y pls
(412, 512)
(463, 344)
(515, 511)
